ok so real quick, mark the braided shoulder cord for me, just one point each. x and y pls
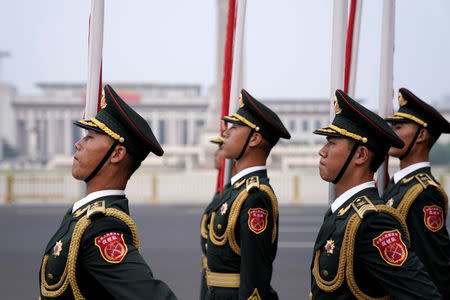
(218, 240)
(69, 275)
(203, 231)
(408, 199)
(232, 219)
(354, 224)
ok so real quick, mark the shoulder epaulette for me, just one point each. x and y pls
(425, 180)
(95, 208)
(252, 183)
(362, 205)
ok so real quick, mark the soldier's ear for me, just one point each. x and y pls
(256, 139)
(362, 155)
(118, 154)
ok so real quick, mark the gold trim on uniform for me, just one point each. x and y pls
(69, 274)
(227, 280)
(337, 109)
(401, 101)
(241, 102)
(97, 207)
(348, 133)
(255, 295)
(237, 117)
(252, 183)
(103, 100)
(346, 260)
(400, 116)
(108, 131)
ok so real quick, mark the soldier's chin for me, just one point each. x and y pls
(395, 152)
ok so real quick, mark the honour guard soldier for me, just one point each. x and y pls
(413, 190)
(204, 225)
(362, 250)
(95, 252)
(243, 228)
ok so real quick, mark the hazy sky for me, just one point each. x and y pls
(287, 55)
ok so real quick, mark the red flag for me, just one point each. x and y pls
(226, 81)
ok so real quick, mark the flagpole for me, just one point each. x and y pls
(93, 87)
(236, 73)
(385, 106)
(355, 46)
(95, 49)
(337, 61)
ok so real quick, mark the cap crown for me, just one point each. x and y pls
(259, 117)
(354, 121)
(122, 123)
(413, 109)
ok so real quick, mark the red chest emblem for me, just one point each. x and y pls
(433, 217)
(112, 246)
(391, 247)
(257, 219)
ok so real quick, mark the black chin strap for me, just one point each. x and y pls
(349, 158)
(100, 165)
(245, 145)
(412, 144)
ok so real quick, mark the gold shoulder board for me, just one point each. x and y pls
(425, 180)
(97, 207)
(252, 182)
(362, 205)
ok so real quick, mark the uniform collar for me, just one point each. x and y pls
(349, 193)
(95, 195)
(408, 170)
(246, 172)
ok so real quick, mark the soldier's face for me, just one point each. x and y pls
(234, 140)
(90, 151)
(405, 132)
(218, 156)
(332, 157)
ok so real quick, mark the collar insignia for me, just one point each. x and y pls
(223, 208)
(57, 249)
(390, 202)
(329, 246)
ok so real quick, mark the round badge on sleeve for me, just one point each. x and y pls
(433, 217)
(112, 247)
(391, 247)
(257, 219)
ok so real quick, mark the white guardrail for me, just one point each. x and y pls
(195, 187)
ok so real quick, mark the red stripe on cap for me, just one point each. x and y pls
(387, 134)
(270, 121)
(426, 106)
(141, 134)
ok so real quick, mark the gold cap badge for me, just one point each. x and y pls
(401, 100)
(103, 100)
(337, 109)
(241, 102)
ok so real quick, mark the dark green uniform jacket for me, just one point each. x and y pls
(423, 204)
(204, 231)
(242, 239)
(362, 249)
(104, 261)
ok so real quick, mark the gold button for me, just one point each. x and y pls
(219, 226)
(50, 276)
(206, 246)
(325, 273)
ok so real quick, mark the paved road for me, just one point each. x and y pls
(169, 241)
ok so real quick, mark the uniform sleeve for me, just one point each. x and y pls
(257, 249)
(384, 252)
(119, 268)
(429, 237)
